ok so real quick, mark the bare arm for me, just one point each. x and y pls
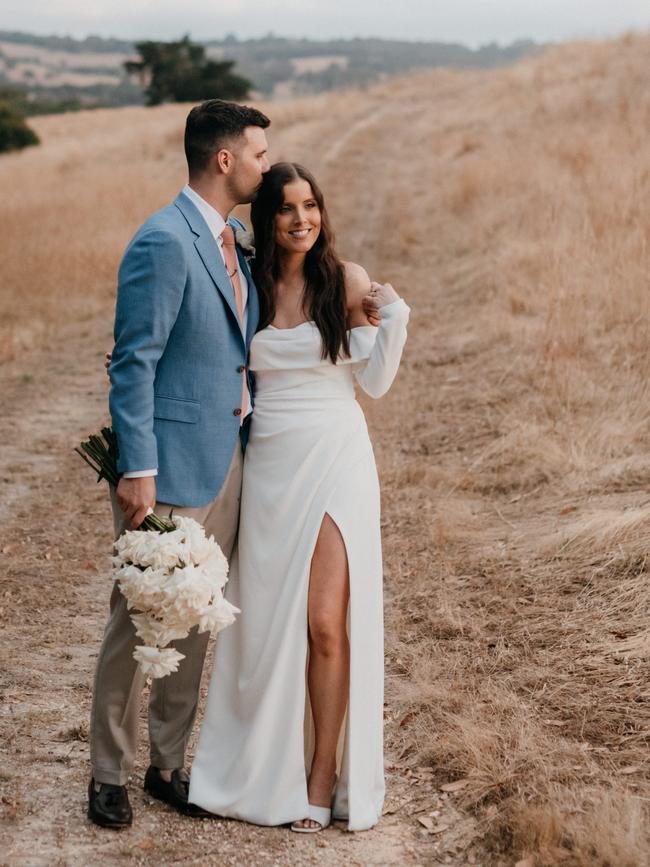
(357, 288)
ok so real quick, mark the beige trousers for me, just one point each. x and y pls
(119, 679)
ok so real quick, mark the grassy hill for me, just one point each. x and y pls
(511, 208)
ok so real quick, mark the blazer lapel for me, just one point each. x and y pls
(208, 250)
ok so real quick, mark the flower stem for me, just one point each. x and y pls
(100, 453)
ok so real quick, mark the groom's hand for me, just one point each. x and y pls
(379, 296)
(136, 497)
(370, 308)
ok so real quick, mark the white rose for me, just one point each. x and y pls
(245, 240)
(216, 616)
(157, 663)
(155, 633)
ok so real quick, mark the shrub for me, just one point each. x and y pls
(14, 132)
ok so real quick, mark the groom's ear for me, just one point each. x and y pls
(224, 160)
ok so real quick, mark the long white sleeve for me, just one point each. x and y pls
(376, 375)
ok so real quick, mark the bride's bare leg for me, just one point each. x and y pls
(329, 657)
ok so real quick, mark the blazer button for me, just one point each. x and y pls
(241, 368)
(237, 411)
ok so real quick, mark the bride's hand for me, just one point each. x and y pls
(379, 296)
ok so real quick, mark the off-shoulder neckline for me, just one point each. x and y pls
(311, 322)
(293, 327)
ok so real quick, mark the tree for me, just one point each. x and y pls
(180, 72)
(14, 132)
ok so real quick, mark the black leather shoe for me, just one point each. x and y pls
(173, 793)
(109, 807)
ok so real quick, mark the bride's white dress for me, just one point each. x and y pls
(308, 454)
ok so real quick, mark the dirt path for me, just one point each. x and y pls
(54, 604)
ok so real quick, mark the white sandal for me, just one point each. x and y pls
(322, 815)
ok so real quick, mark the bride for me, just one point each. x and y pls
(292, 731)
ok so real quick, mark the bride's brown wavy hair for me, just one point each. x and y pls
(324, 296)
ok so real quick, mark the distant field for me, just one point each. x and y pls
(318, 64)
(34, 65)
(50, 57)
(512, 211)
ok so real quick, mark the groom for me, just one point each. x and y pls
(186, 312)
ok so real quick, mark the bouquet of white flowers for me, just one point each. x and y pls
(170, 573)
(172, 581)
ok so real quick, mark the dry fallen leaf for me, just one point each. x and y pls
(555, 722)
(525, 862)
(455, 786)
(630, 769)
(426, 822)
(147, 844)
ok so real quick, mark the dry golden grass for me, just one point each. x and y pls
(522, 484)
(513, 211)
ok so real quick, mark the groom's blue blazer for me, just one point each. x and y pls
(176, 384)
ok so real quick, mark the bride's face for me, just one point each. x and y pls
(298, 222)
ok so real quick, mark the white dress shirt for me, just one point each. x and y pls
(216, 224)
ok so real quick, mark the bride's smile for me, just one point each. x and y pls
(298, 222)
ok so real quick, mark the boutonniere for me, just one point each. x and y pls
(245, 241)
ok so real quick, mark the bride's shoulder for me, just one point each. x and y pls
(357, 286)
(357, 283)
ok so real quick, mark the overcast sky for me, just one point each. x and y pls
(472, 22)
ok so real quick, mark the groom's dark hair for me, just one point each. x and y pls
(213, 125)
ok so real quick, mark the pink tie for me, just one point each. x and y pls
(230, 257)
